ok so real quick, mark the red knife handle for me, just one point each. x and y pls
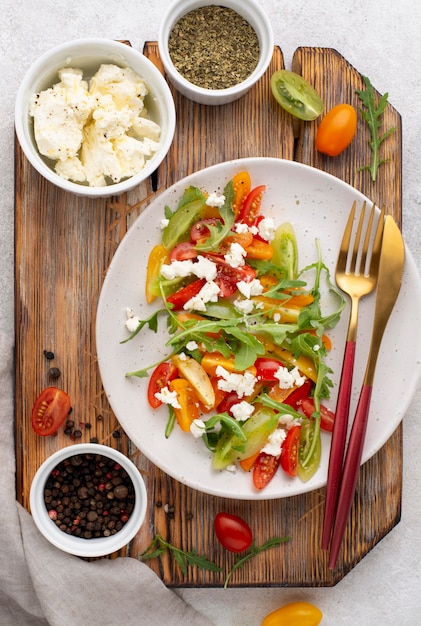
(337, 447)
(350, 472)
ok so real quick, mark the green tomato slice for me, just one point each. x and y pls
(306, 437)
(296, 95)
(231, 448)
(285, 250)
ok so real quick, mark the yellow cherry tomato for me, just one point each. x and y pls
(294, 614)
(336, 130)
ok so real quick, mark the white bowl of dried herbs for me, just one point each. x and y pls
(214, 54)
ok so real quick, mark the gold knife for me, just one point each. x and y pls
(392, 262)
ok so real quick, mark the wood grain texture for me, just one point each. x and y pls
(64, 245)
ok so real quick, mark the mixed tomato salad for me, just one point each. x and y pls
(246, 367)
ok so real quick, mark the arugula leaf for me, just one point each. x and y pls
(372, 115)
(219, 231)
(151, 321)
(183, 558)
(254, 551)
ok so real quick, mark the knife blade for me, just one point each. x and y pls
(391, 267)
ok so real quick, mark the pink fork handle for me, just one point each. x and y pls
(337, 447)
(350, 472)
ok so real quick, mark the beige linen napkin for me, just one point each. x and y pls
(41, 585)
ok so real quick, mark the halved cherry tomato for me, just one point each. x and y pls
(244, 239)
(200, 230)
(188, 401)
(227, 277)
(327, 417)
(296, 95)
(183, 295)
(294, 614)
(289, 451)
(160, 378)
(190, 369)
(183, 252)
(50, 409)
(336, 130)
(266, 369)
(232, 532)
(259, 249)
(296, 397)
(251, 207)
(241, 184)
(264, 469)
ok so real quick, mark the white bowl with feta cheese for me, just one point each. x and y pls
(215, 54)
(94, 117)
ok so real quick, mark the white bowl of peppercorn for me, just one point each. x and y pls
(88, 500)
(214, 54)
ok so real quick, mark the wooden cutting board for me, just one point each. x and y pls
(64, 245)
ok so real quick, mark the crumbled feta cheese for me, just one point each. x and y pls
(95, 132)
(316, 348)
(177, 269)
(215, 200)
(182, 356)
(235, 256)
(267, 228)
(289, 378)
(274, 442)
(204, 268)
(132, 321)
(288, 421)
(244, 306)
(231, 468)
(164, 223)
(197, 428)
(168, 397)
(191, 345)
(242, 384)
(252, 288)
(242, 411)
(208, 293)
(240, 228)
(276, 317)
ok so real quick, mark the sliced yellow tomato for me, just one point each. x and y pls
(192, 371)
(211, 360)
(242, 186)
(259, 250)
(189, 409)
(156, 258)
(272, 307)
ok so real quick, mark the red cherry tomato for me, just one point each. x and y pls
(264, 469)
(297, 396)
(50, 409)
(232, 532)
(336, 130)
(327, 417)
(266, 369)
(183, 252)
(160, 377)
(227, 277)
(251, 207)
(290, 450)
(183, 295)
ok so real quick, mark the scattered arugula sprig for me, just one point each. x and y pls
(252, 552)
(185, 559)
(182, 557)
(372, 114)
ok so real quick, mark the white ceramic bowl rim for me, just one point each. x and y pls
(249, 9)
(40, 75)
(78, 546)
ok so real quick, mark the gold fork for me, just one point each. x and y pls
(356, 274)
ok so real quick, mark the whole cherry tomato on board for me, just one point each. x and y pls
(232, 532)
(294, 614)
(336, 130)
(50, 409)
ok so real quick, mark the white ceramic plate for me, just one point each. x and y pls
(317, 204)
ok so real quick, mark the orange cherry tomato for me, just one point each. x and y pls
(336, 130)
(242, 185)
(188, 409)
